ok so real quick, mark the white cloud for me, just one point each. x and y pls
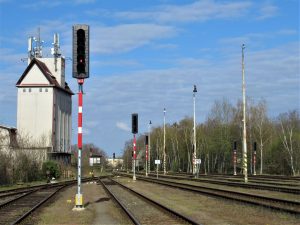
(54, 3)
(267, 11)
(117, 63)
(123, 126)
(126, 37)
(255, 39)
(197, 11)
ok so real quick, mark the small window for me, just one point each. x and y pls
(46, 89)
(29, 89)
(41, 89)
(24, 89)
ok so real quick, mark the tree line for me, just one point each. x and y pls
(278, 141)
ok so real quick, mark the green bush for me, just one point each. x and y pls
(53, 169)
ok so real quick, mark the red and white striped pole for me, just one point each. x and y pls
(146, 159)
(79, 197)
(234, 159)
(254, 159)
(134, 156)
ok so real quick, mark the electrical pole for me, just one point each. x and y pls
(165, 141)
(194, 145)
(244, 120)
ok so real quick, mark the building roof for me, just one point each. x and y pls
(46, 72)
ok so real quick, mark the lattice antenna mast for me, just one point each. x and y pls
(55, 51)
(37, 51)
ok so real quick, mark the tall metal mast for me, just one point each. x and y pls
(244, 119)
(194, 144)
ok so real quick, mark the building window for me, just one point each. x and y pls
(46, 89)
(24, 89)
(29, 89)
(41, 89)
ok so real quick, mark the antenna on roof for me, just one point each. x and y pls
(55, 51)
(37, 51)
(30, 52)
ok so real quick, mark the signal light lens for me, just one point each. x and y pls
(81, 51)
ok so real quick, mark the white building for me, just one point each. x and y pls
(45, 107)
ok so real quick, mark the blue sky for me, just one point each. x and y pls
(147, 55)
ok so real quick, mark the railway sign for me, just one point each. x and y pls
(157, 161)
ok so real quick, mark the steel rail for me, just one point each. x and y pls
(130, 215)
(20, 219)
(157, 204)
(59, 186)
(243, 197)
(270, 187)
(181, 216)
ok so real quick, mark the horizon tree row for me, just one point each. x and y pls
(278, 141)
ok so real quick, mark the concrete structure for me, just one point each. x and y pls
(45, 107)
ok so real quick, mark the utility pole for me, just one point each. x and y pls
(194, 145)
(165, 141)
(244, 120)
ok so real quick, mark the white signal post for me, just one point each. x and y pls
(244, 120)
(165, 171)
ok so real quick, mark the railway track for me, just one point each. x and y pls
(282, 205)
(270, 187)
(141, 209)
(18, 204)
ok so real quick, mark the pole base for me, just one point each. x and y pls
(134, 178)
(234, 174)
(78, 208)
(78, 201)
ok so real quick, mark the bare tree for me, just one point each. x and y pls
(260, 123)
(289, 124)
